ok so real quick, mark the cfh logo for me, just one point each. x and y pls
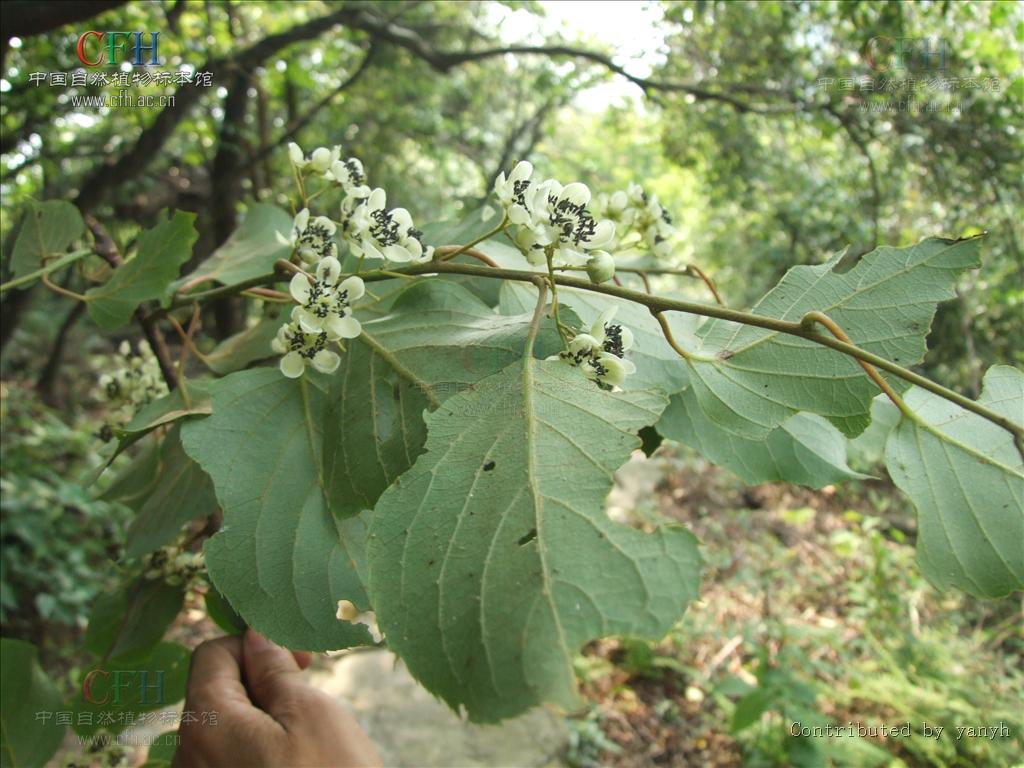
(883, 53)
(103, 687)
(111, 49)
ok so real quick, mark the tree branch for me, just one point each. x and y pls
(655, 304)
(105, 177)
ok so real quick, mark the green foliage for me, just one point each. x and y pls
(440, 476)
(26, 740)
(251, 250)
(281, 559)
(749, 380)
(161, 252)
(58, 538)
(47, 229)
(804, 449)
(437, 340)
(166, 489)
(966, 477)
(129, 623)
(487, 605)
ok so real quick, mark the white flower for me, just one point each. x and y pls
(634, 211)
(301, 349)
(130, 382)
(607, 370)
(600, 353)
(318, 162)
(552, 218)
(326, 305)
(511, 192)
(374, 232)
(312, 238)
(350, 175)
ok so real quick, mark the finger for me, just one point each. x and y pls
(215, 676)
(303, 658)
(272, 676)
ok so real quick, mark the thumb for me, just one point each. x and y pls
(272, 676)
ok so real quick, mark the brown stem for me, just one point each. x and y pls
(446, 252)
(821, 318)
(693, 269)
(667, 332)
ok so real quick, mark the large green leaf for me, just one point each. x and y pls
(131, 621)
(492, 560)
(47, 229)
(180, 492)
(161, 252)
(438, 339)
(29, 734)
(966, 478)
(749, 380)
(251, 250)
(805, 449)
(658, 366)
(281, 558)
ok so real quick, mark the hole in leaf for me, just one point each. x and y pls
(528, 537)
(489, 466)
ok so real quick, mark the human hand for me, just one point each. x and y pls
(267, 715)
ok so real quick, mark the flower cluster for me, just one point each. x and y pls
(173, 565)
(135, 382)
(323, 315)
(600, 354)
(374, 232)
(312, 239)
(553, 221)
(368, 227)
(634, 211)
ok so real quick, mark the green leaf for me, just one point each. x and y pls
(439, 339)
(47, 229)
(131, 621)
(222, 614)
(749, 380)
(171, 407)
(168, 409)
(281, 559)
(25, 739)
(806, 449)
(658, 366)
(966, 478)
(251, 250)
(492, 560)
(868, 448)
(111, 694)
(750, 708)
(180, 492)
(161, 252)
(238, 351)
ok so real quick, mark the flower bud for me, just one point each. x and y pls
(320, 160)
(601, 266)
